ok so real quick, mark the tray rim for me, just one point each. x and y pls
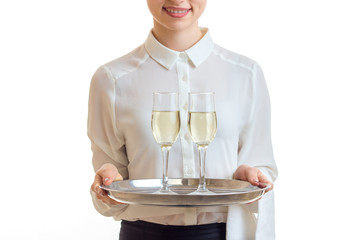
(259, 190)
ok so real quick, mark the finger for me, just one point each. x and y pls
(100, 193)
(95, 187)
(108, 175)
(252, 176)
(264, 181)
(103, 195)
(109, 200)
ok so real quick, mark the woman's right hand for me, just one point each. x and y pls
(105, 175)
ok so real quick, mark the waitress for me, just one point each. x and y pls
(180, 56)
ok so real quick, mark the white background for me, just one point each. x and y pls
(308, 49)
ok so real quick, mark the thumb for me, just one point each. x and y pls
(108, 174)
(252, 176)
(108, 180)
(264, 181)
(109, 177)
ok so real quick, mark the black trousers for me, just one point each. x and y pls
(140, 230)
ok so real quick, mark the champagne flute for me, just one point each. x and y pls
(165, 125)
(202, 126)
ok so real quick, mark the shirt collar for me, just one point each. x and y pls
(167, 57)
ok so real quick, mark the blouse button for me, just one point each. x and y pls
(182, 55)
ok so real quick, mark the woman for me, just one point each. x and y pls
(179, 56)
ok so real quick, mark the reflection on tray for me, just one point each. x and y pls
(145, 191)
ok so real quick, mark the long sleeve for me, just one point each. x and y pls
(255, 149)
(120, 131)
(107, 143)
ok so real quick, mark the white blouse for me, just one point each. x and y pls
(120, 106)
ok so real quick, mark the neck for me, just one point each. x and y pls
(178, 40)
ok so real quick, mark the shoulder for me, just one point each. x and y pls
(235, 59)
(105, 77)
(126, 64)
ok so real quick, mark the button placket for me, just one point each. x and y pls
(186, 143)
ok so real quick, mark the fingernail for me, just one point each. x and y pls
(262, 185)
(255, 180)
(106, 179)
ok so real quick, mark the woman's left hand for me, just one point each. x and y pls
(252, 175)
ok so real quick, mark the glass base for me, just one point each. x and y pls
(163, 191)
(202, 192)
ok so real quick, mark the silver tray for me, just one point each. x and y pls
(144, 192)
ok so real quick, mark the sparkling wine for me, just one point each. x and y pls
(202, 127)
(165, 126)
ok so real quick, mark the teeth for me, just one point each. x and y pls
(175, 11)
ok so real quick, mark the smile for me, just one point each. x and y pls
(176, 11)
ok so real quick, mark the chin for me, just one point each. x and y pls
(179, 26)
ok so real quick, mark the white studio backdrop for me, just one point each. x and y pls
(309, 51)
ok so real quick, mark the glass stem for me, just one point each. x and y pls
(165, 157)
(202, 156)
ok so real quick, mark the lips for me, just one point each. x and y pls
(177, 12)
